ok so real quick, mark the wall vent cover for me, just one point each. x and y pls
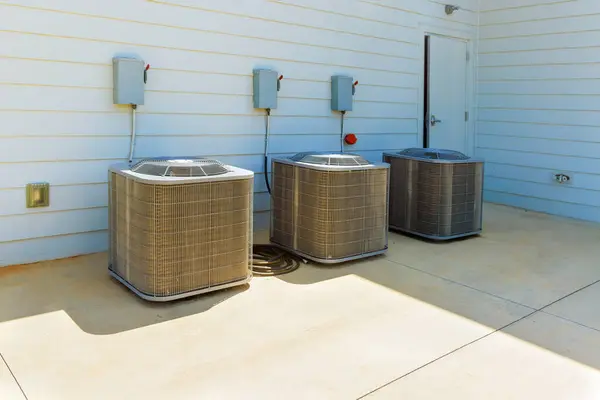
(180, 227)
(435, 193)
(330, 207)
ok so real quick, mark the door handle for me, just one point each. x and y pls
(435, 121)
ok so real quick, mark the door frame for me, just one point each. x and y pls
(468, 37)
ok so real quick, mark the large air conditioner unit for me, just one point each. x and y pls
(180, 227)
(330, 207)
(436, 194)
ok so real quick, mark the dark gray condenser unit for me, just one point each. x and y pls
(437, 194)
(330, 207)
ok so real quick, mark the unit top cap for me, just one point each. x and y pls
(330, 159)
(180, 167)
(434, 154)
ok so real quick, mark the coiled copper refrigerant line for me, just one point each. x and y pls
(270, 260)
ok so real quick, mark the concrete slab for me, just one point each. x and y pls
(582, 307)
(541, 357)
(9, 389)
(319, 333)
(529, 258)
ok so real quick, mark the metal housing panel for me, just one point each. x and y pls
(330, 215)
(172, 241)
(436, 199)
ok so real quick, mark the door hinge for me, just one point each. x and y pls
(466, 115)
(468, 56)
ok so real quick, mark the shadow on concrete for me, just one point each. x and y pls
(97, 303)
(566, 338)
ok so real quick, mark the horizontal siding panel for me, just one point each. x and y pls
(580, 87)
(566, 194)
(60, 24)
(573, 118)
(50, 248)
(540, 57)
(31, 226)
(524, 175)
(545, 102)
(546, 10)
(84, 148)
(86, 100)
(547, 161)
(62, 198)
(266, 28)
(41, 123)
(582, 71)
(35, 46)
(544, 42)
(577, 211)
(541, 27)
(261, 221)
(487, 6)
(429, 9)
(540, 131)
(160, 80)
(358, 24)
(545, 146)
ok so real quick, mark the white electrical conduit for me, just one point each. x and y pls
(132, 140)
(342, 133)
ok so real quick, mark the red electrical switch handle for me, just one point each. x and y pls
(146, 73)
(350, 139)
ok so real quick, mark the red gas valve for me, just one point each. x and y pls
(350, 139)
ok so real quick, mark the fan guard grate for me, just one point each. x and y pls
(180, 167)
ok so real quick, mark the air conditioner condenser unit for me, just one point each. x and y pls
(330, 207)
(180, 227)
(435, 193)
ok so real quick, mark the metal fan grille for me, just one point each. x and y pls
(330, 215)
(172, 239)
(434, 154)
(330, 159)
(180, 167)
(437, 200)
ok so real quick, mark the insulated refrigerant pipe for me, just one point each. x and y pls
(133, 129)
(266, 163)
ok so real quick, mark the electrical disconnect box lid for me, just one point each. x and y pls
(265, 89)
(341, 93)
(128, 81)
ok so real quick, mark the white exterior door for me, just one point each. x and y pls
(447, 84)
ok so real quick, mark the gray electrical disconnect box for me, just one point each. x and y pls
(128, 81)
(265, 89)
(341, 93)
